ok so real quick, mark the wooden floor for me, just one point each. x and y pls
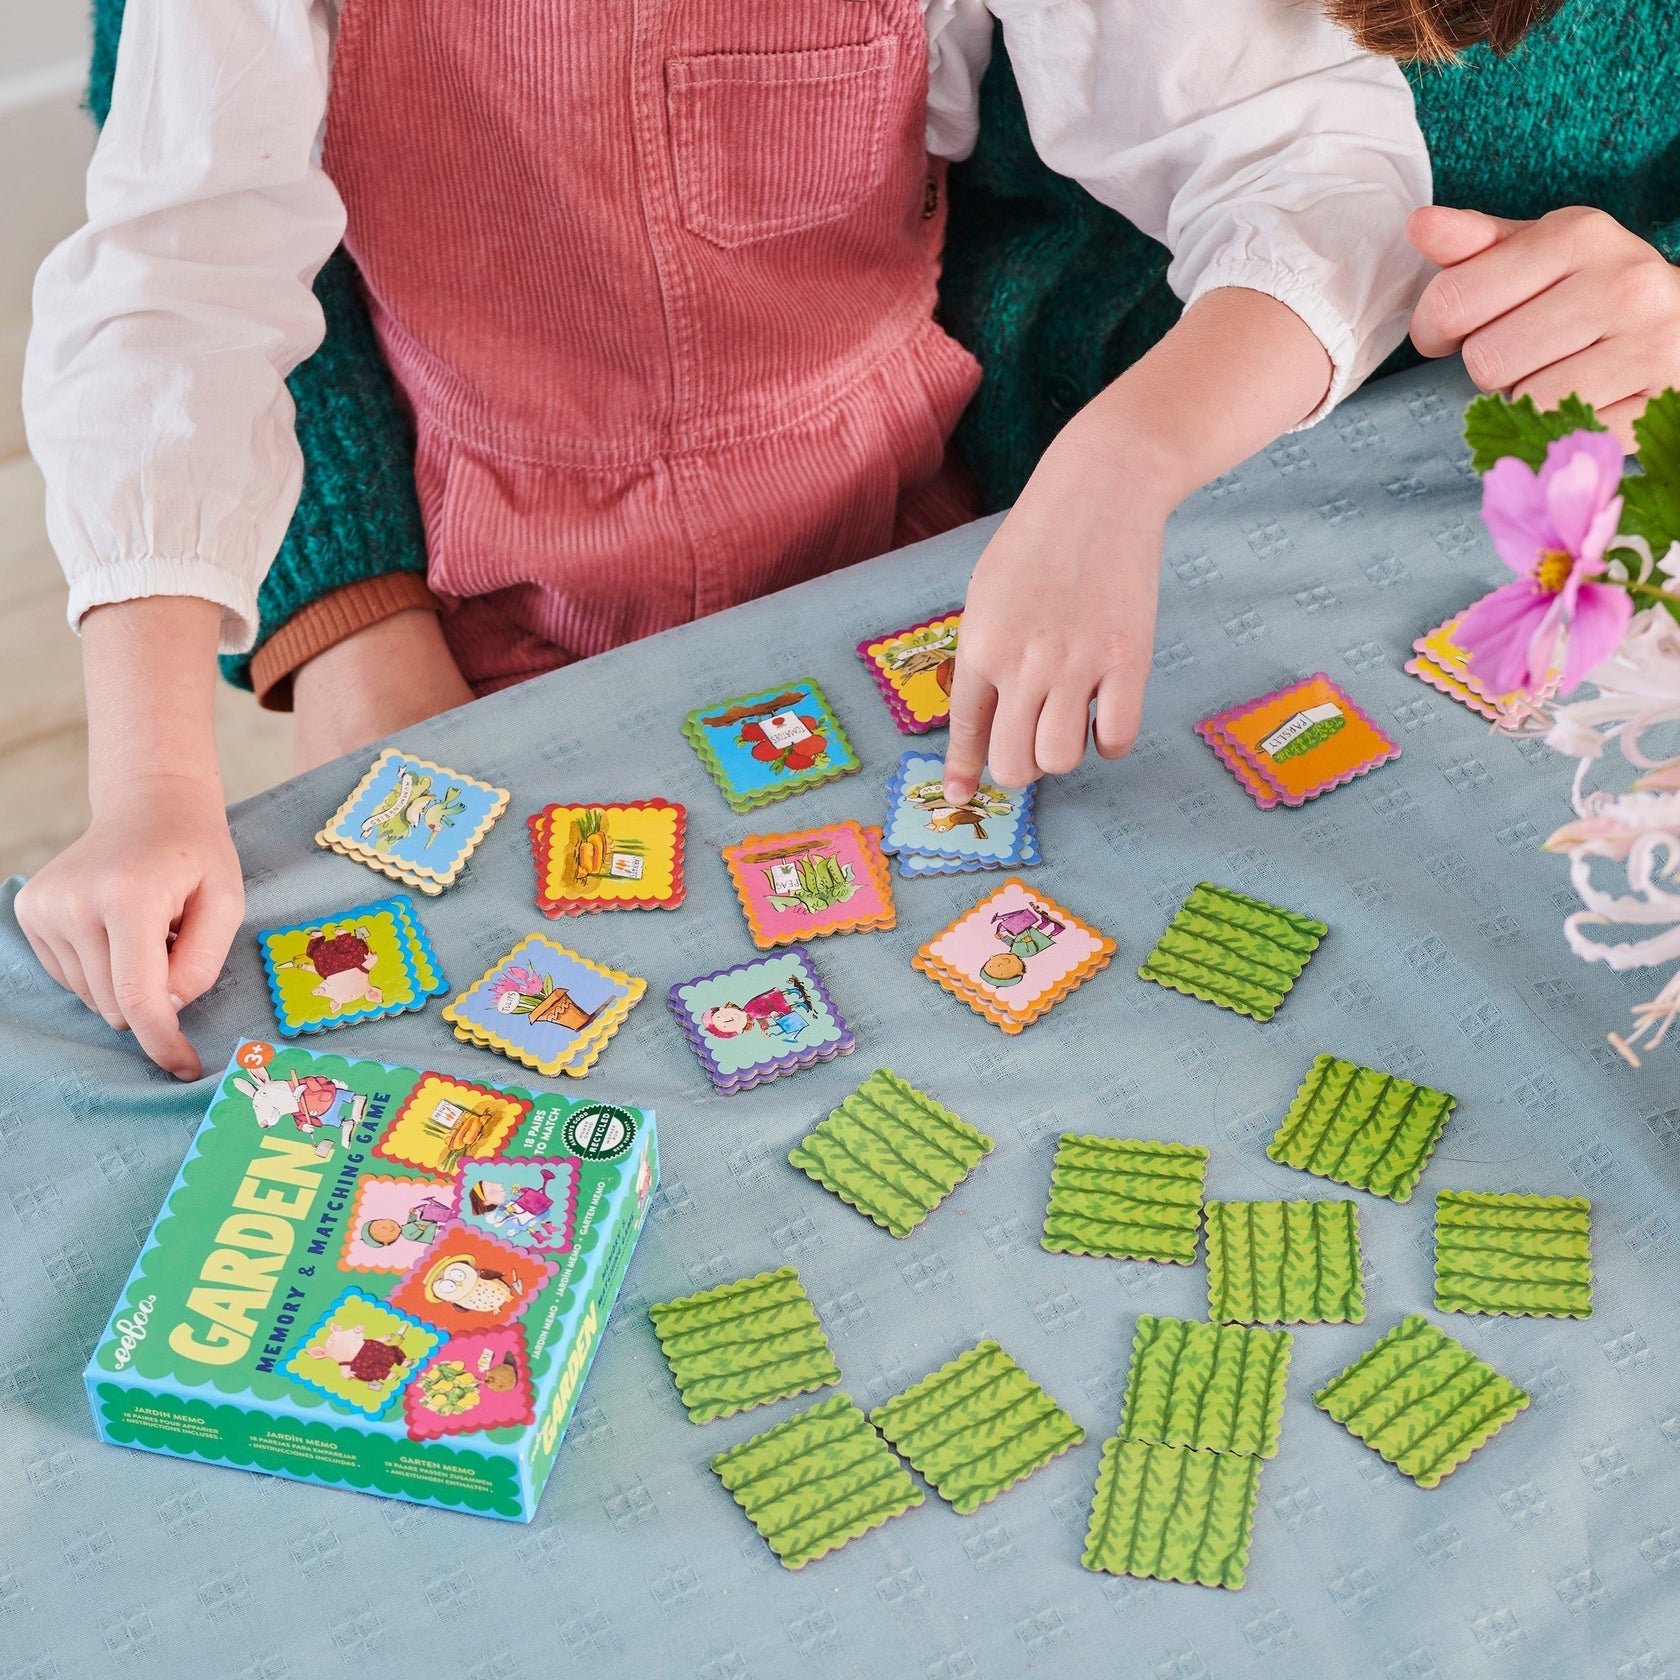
(43, 728)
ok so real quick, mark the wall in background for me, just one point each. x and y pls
(45, 142)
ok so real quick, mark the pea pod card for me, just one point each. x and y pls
(767, 746)
(414, 820)
(914, 669)
(760, 1020)
(356, 966)
(1292, 745)
(545, 1006)
(608, 857)
(994, 828)
(813, 882)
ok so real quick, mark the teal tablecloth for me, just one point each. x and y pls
(1554, 1551)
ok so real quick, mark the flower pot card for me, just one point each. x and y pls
(414, 820)
(763, 747)
(1298, 742)
(760, 1020)
(816, 881)
(608, 857)
(1014, 956)
(545, 1006)
(356, 966)
(993, 829)
(914, 669)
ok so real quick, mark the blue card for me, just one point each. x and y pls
(992, 830)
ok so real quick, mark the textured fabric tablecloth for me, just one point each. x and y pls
(1554, 1551)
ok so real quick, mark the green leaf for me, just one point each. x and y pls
(1495, 427)
(1651, 497)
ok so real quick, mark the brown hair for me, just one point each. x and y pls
(1438, 29)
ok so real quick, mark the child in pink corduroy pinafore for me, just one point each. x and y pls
(658, 282)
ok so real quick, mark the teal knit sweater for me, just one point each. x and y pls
(1054, 294)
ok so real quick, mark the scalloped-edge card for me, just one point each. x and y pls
(545, 1006)
(478, 1380)
(759, 1020)
(993, 829)
(766, 746)
(1443, 663)
(393, 1221)
(914, 669)
(357, 965)
(1301, 741)
(470, 1280)
(529, 1201)
(361, 1351)
(414, 820)
(1509, 1253)
(810, 883)
(817, 1481)
(1421, 1400)
(445, 1121)
(1014, 956)
(608, 856)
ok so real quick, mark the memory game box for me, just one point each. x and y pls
(380, 1278)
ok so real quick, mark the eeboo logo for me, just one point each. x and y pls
(131, 1331)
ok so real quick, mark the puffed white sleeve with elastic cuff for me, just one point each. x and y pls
(1253, 139)
(154, 382)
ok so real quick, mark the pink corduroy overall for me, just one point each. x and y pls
(657, 278)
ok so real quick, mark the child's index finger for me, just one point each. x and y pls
(973, 706)
(140, 980)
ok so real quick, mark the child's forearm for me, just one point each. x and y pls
(150, 672)
(1238, 369)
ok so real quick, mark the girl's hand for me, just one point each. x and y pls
(1060, 614)
(1572, 302)
(1061, 607)
(136, 917)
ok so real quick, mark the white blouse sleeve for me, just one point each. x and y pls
(1253, 139)
(154, 383)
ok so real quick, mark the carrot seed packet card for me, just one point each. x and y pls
(356, 966)
(817, 881)
(1014, 956)
(608, 857)
(767, 746)
(914, 669)
(413, 820)
(1298, 742)
(929, 835)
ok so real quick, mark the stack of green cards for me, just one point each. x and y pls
(763, 747)
(891, 1151)
(413, 820)
(356, 966)
(1238, 952)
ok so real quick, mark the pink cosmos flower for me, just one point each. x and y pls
(1551, 528)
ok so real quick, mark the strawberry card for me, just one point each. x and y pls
(767, 746)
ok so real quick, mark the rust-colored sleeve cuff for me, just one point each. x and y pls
(327, 621)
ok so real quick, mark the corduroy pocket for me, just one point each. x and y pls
(768, 144)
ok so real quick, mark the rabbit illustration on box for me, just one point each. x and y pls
(311, 1103)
